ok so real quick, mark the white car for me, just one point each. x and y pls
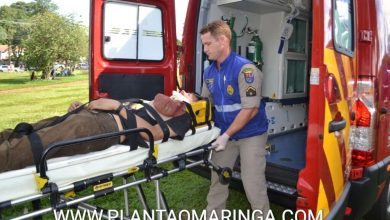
(4, 68)
(83, 66)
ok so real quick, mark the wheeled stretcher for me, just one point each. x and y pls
(59, 177)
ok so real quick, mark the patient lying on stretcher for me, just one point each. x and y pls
(100, 116)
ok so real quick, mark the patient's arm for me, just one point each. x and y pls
(104, 104)
(111, 104)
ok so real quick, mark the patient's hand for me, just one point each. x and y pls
(74, 105)
(103, 104)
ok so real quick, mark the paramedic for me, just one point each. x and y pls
(100, 116)
(234, 84)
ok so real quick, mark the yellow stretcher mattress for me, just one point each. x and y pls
(67, 170)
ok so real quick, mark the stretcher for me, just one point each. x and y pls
(58, 177)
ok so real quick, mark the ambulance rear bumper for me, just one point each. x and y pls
(364, 191)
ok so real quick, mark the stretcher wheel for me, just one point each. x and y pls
(225, 175)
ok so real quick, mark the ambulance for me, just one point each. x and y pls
(326, 66)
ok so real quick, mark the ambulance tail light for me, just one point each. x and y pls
(332, 90)
(362, 137)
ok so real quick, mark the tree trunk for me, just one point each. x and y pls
(32, 77)
(45, 74)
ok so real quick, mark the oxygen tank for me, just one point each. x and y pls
(255, 47)
(233, 42)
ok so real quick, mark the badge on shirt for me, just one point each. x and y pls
(230, 89)
(250, 91)
(248, 75)
(210, 83)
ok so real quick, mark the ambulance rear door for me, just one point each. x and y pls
(133, 48)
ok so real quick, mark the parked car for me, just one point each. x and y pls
(18, 69)
(83, 66)
(4, 68)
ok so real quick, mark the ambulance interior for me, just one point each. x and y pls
(285, 65)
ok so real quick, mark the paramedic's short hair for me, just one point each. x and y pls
(217, 28)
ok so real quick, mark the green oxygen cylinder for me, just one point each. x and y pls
(233, 42)
(255, 47)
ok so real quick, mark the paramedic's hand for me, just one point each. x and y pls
(74, 105)
(221, 142)
(103, 104)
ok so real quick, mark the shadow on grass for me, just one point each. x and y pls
(14, 81)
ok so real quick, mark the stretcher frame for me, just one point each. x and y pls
(149, 167)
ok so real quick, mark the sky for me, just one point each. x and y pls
(80, 10)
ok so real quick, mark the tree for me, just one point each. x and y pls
(3, 34)
(75, 46)
(54, 38)
(43, 6)
(9, 25)
(14, 21)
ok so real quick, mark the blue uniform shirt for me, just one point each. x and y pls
(236, 85)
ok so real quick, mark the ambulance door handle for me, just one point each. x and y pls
(337, 125)
(383, 110)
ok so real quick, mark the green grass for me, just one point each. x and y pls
(22, 80)
(30, 101)
(22, 100)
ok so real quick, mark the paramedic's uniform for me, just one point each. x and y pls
(235, 86)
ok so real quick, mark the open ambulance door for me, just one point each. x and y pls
(133, 48)
(323, 184)
(190, 72)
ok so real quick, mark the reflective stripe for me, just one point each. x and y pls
(228, 108)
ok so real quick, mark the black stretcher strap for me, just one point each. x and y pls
(132, 139)
(21, 129)
(160, 121)
(193, 116)
(208, 108)
(65, 116)
(36, 148)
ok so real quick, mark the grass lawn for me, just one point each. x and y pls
(18, 80)
(29, 101)
(22, 100)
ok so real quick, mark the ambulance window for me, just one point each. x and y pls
(296, 60)
(132, 32)
(297, 41)
(296, 70)
(343, 26)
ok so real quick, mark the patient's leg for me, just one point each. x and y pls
(16, 153)
(44, 123)
(5, 134)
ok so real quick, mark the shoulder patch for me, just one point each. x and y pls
(209, 81)
(248, 74)
(250, 91)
